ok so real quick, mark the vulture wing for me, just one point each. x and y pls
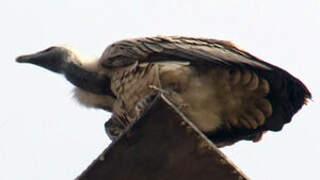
(287, 94)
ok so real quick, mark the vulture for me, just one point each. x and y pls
(229, 94)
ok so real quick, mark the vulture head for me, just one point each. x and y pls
(54, 58)
(92, 84)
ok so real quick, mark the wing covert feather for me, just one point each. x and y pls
(194, 50)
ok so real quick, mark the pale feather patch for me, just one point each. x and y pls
(89, 63)
(216, 97)
(91, 100)
(197, 92)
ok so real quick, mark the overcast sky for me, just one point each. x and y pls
(45, 134)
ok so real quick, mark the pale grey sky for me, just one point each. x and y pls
(45, 134)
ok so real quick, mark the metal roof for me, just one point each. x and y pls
(162, 144)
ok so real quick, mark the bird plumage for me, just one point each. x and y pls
(229, 94)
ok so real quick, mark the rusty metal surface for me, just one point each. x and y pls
(164, 145)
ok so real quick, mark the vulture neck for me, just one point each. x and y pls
(91, 81)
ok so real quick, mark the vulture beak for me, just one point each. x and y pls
(28, 58)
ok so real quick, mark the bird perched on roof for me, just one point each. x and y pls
(229, 94)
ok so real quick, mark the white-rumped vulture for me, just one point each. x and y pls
(228, 93)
